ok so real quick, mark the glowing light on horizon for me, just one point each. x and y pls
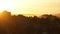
(30, 6)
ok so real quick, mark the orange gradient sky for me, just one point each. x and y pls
(30, 6)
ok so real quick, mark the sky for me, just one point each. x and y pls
(31, 6)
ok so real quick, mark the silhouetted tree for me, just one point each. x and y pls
(47, 24)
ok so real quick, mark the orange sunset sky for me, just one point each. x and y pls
(30, 6)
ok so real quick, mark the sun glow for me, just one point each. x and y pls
(10, 5)
(5, 5)
(30, 6)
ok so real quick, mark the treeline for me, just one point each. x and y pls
(45, 24)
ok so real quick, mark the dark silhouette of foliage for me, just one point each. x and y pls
(47, 24)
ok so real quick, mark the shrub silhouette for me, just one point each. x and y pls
(47, 24)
